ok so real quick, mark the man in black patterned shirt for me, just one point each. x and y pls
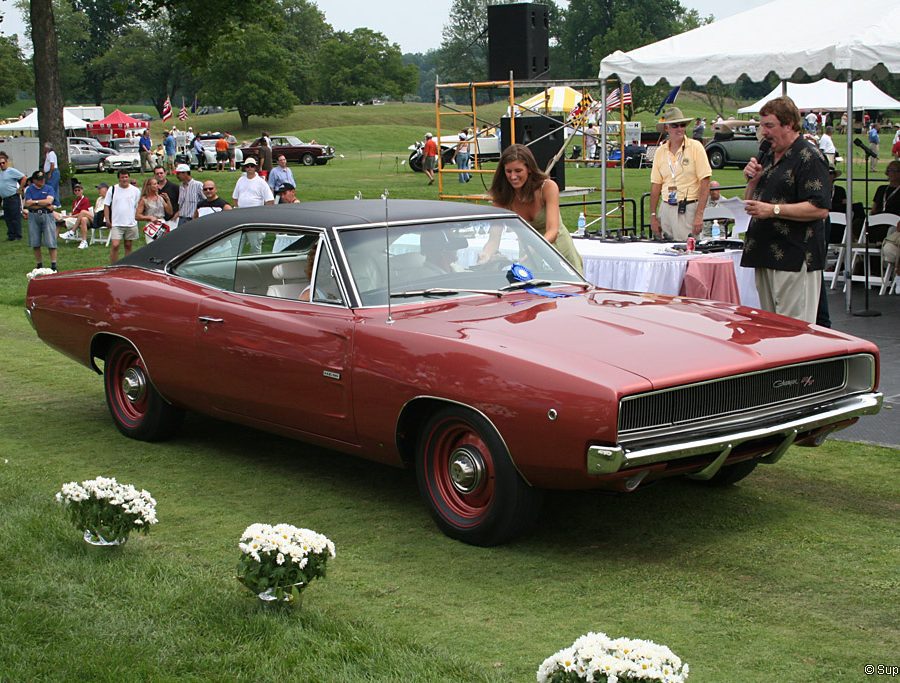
(788, 196)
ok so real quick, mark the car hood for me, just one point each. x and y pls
(664, 340)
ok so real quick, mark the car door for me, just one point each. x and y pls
(280, 145)
(267, 358)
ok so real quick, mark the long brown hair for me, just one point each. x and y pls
(501, 191)
(144, 192)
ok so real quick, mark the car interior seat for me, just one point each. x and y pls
(293, 279)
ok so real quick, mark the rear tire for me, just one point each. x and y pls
(469, 482)
(717, 158)
(134, 403)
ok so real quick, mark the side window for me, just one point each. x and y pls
(214, 265)
(326, 289)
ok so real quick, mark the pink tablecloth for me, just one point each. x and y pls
(710, 278)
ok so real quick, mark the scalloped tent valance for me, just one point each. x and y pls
(787, 37)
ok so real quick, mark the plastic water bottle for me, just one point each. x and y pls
(579, 232)
(716, 231)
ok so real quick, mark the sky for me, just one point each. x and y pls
(416, 25)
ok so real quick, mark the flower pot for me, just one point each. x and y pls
(270, 595)
(96, 537)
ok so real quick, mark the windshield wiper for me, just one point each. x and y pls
(442, 291)
(526, 284)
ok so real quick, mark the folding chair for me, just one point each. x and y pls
(875, 229)
(647, 158)
(834, 251)
(889, 278)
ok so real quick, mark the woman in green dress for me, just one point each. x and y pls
(520, 186)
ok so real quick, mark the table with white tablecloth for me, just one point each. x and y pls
(650, 267)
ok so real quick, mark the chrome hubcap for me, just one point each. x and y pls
(466, 470)
(134, 384)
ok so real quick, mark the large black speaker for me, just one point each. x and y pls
(518, 41)
(528, 130)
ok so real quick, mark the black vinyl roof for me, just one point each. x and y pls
(328, 214)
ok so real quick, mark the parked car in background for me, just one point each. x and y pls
(141, 116)
(89, 142)
(413, 346)
(208, 140)
(734, 143)
(86, 158)
(486, 143)
(294, 150)
(126, 155)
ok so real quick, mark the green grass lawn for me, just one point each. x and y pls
(791, 575)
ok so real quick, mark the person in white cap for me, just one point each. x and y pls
(189, 194)
(430, 157)
(251, 189)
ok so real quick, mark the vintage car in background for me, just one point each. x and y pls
(84, 158)
(126, 155)
(734, 143)
(208, 140)
(89, 142)
(487, 142)
(452, 339)
(294, 150)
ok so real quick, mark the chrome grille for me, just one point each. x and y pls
(718, 398)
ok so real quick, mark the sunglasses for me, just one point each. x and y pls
(208, 189)
(678, 125)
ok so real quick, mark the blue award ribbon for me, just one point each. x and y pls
(522, 274)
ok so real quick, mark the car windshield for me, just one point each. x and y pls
(448, 259)
(126, 147)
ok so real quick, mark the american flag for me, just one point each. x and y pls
(613, 99)
(182, 115)
(167, 110)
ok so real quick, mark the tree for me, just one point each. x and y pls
(303, 34)
(236, 78)
(14, 74)
(47, 93)
(128, 57)
(363, 65)
(106, 21)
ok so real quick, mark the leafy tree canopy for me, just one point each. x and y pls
(14, 72)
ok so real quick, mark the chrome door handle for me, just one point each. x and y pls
(206, 320)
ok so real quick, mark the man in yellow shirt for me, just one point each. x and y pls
(680, 175)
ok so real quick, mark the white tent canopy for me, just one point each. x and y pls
(816, 38)
(813, 37)
(30, 122)
(826, 95)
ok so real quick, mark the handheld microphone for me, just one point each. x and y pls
(865, 148)
(764, 147)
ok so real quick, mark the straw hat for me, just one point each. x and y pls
(672, 115)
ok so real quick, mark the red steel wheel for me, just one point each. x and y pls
(136, 407)
(467, 478)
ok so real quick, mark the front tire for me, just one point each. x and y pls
(134, 403)
(307, 159)
(415, 162)
(468, 480)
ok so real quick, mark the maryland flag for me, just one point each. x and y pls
(578, 115)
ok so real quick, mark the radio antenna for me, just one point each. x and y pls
(387, 254)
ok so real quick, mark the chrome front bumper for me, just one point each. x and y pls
(610, 459)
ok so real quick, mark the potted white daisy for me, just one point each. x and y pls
(107, 511)
(279, 562)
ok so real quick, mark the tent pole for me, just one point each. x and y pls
(784, 88)
(848, 233)
(602, 157)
